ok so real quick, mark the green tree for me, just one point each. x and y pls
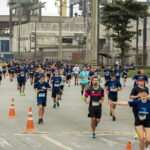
(118, 16)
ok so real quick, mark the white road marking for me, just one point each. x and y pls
(112, 143)
(56, 142)
(4, 143)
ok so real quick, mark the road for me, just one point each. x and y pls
(65, 128)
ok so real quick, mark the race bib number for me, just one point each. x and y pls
(142, 117)
(41, 94)
(107, 74)
(113, 89)
(95, 103)
(22, 74)
(117, 74)
(56, 85)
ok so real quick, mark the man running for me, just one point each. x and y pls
(4, 70)
(96, 94)
(84, 81)
(22, 74)
(142, 120)
(56, 83)
(76, 71)
(41, 88)
(118, 72)
(124, 75)
(107, 72)
(135, 95)
(112, 87)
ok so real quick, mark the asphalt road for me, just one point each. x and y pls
(65, 128)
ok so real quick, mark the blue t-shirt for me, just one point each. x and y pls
(4, 68)
(31, 71)
(98, 70)
(91, 73)
(22, 75)
(118, 72)
(37, 76)
(86, 75)
(42, 93)
(69, 71)
(56, 81)
(107, 73)
(112, 86)
(125, 71)
(142, 109)
(137, 76)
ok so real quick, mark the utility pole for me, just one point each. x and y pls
(60, 33)
(35, 41)
(95, 29)
(20, 22)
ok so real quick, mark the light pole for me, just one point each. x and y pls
(60, 32)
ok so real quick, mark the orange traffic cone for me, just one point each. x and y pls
(129, 145)
(30, 124)
(12, 110)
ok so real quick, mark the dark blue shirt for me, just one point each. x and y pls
(107, 73)
(125, 71)
(118, 72)
(69, 71)
(137, 76)
(22, 75)
(37, 76)
(56, 81)
(112, 86)
(42, 93)
(142, 109)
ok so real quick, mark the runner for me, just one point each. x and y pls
(11, 72)
(118, 72)
(22, 74)
(56, 83)
(48, 73)
(31, 73)
(84, 81)
(96, 94)
(69, 75)
(142, 120)
(98, 77)
(63, 79)
(124, 75)
(107, 72)
(135, 95)
(0, 76)
(4, 70)
(140, 74)
(41, 88)
(76, 71)
(112, 87)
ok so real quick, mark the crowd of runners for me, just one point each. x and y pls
(54, 76)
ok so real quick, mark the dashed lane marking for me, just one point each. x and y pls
(101, 133)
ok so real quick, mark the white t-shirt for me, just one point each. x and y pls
(76, 70)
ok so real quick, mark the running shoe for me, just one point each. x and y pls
(114, 118)
(136, 136)
(39, 121)
(54, 106)
(58, 104)
(82, 97)
(93, 136)
(96, 124)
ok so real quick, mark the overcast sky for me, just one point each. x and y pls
(50, 10)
